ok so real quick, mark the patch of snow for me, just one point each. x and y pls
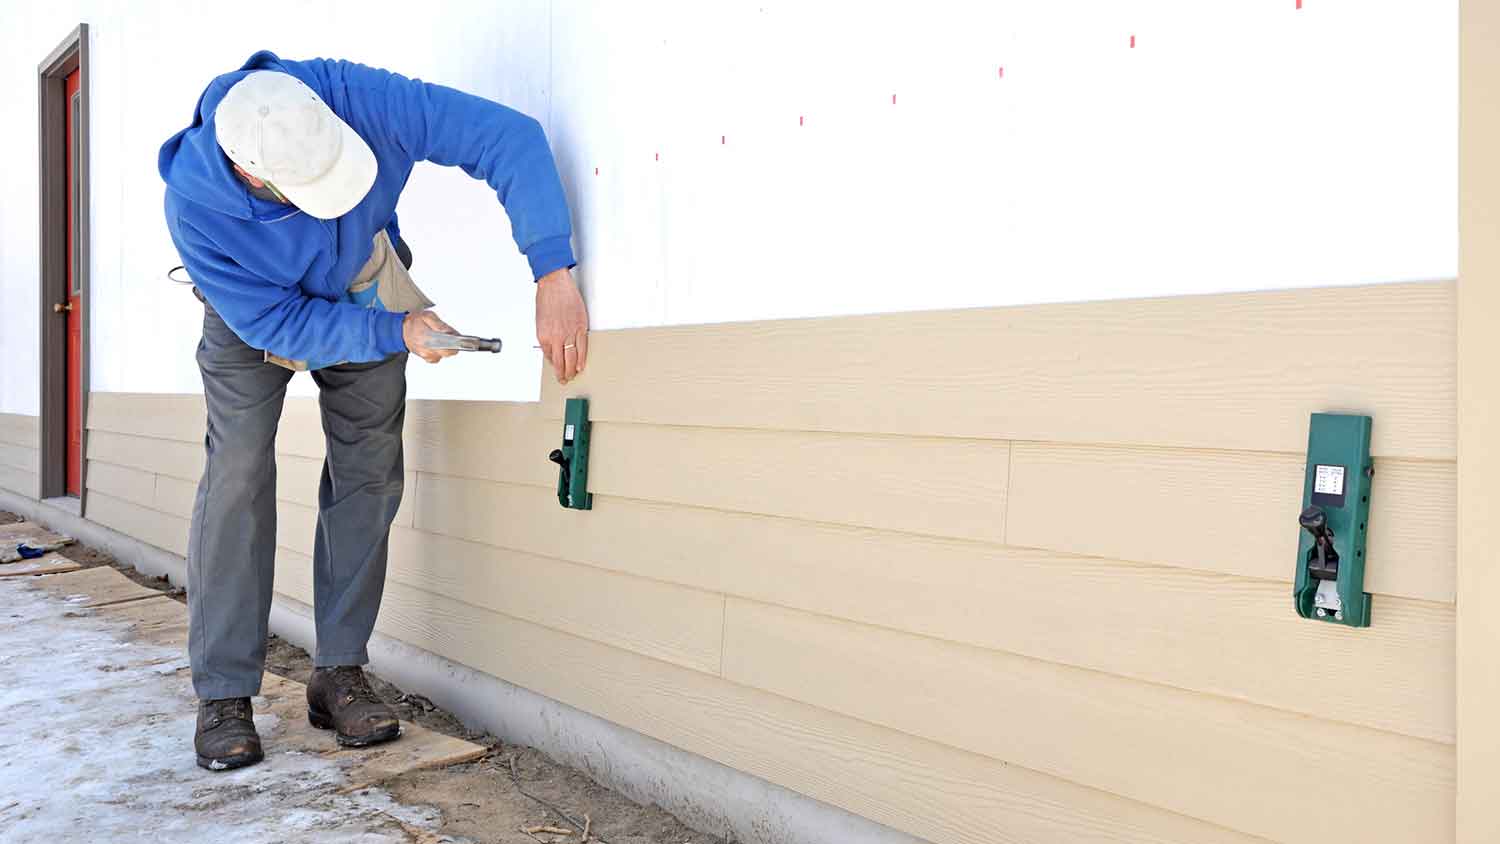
(98, 746)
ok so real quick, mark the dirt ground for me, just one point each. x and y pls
(492, 800)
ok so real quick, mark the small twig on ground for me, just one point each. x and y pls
(418, 836)
(516, 781)
(550, 830)
(587, 822)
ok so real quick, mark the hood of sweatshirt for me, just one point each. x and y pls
(197, 170)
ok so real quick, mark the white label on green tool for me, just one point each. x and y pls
(568, 435)
(1329, 480)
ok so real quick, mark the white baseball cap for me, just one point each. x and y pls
(280, 131)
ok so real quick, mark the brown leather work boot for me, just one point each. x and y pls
(226, 736)
(340, 699)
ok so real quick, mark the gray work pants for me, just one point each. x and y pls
(232, 545)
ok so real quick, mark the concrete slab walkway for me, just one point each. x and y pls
(98, 716)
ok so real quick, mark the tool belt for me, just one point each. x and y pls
(382, 282)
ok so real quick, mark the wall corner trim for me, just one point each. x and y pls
(1477, 814)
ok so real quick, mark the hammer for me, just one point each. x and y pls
(463, 343)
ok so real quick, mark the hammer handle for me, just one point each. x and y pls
(463, 343)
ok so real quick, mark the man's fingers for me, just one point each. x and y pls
(553, 350)
(570, 361)
(439, 325)
(583, 348)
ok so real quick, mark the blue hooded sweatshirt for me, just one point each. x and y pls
(280, 278)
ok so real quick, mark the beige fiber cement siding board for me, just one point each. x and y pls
(1479, 423)
(1220, 371)
(1227, 511)
(1189, 753)
(19, 457)
(296, 527)
(124, 483)
(19, 470)
(181, 417)
(867, 480)
(19, 482)
(958, 485)
(174, 496)
(494, 440)
(19, 429)
(294, 576)
(938, 793)
(300, 489)
(167, 416)
(179, 464)
(1202, 631)
(500, 441)
(297, 479)
(143, 523)
(918, 484)
(177, 459)
(406, 512)
(674, 623)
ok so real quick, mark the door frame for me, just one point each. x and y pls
(52, 282)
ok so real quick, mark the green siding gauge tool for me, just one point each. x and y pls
(573, 458)
(1330, 584)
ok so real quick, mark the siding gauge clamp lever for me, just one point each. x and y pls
(573, 458)
(1322, 562)
(1323, 559)
(565, 481)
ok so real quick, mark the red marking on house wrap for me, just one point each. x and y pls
(1299, 4)
(721, 139)
(799, 120)
(596, 171)
(1002, 71)
(658, 156)
(893, 99)
(1132, 42)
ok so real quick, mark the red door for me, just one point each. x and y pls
(74, 305)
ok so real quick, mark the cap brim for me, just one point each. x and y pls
(343, 186)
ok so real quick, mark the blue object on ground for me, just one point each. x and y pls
(29, 553)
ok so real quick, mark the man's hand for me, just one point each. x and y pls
(562, 324)
(418, 328)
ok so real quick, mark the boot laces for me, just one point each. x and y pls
(355, 686)
(230, 708)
